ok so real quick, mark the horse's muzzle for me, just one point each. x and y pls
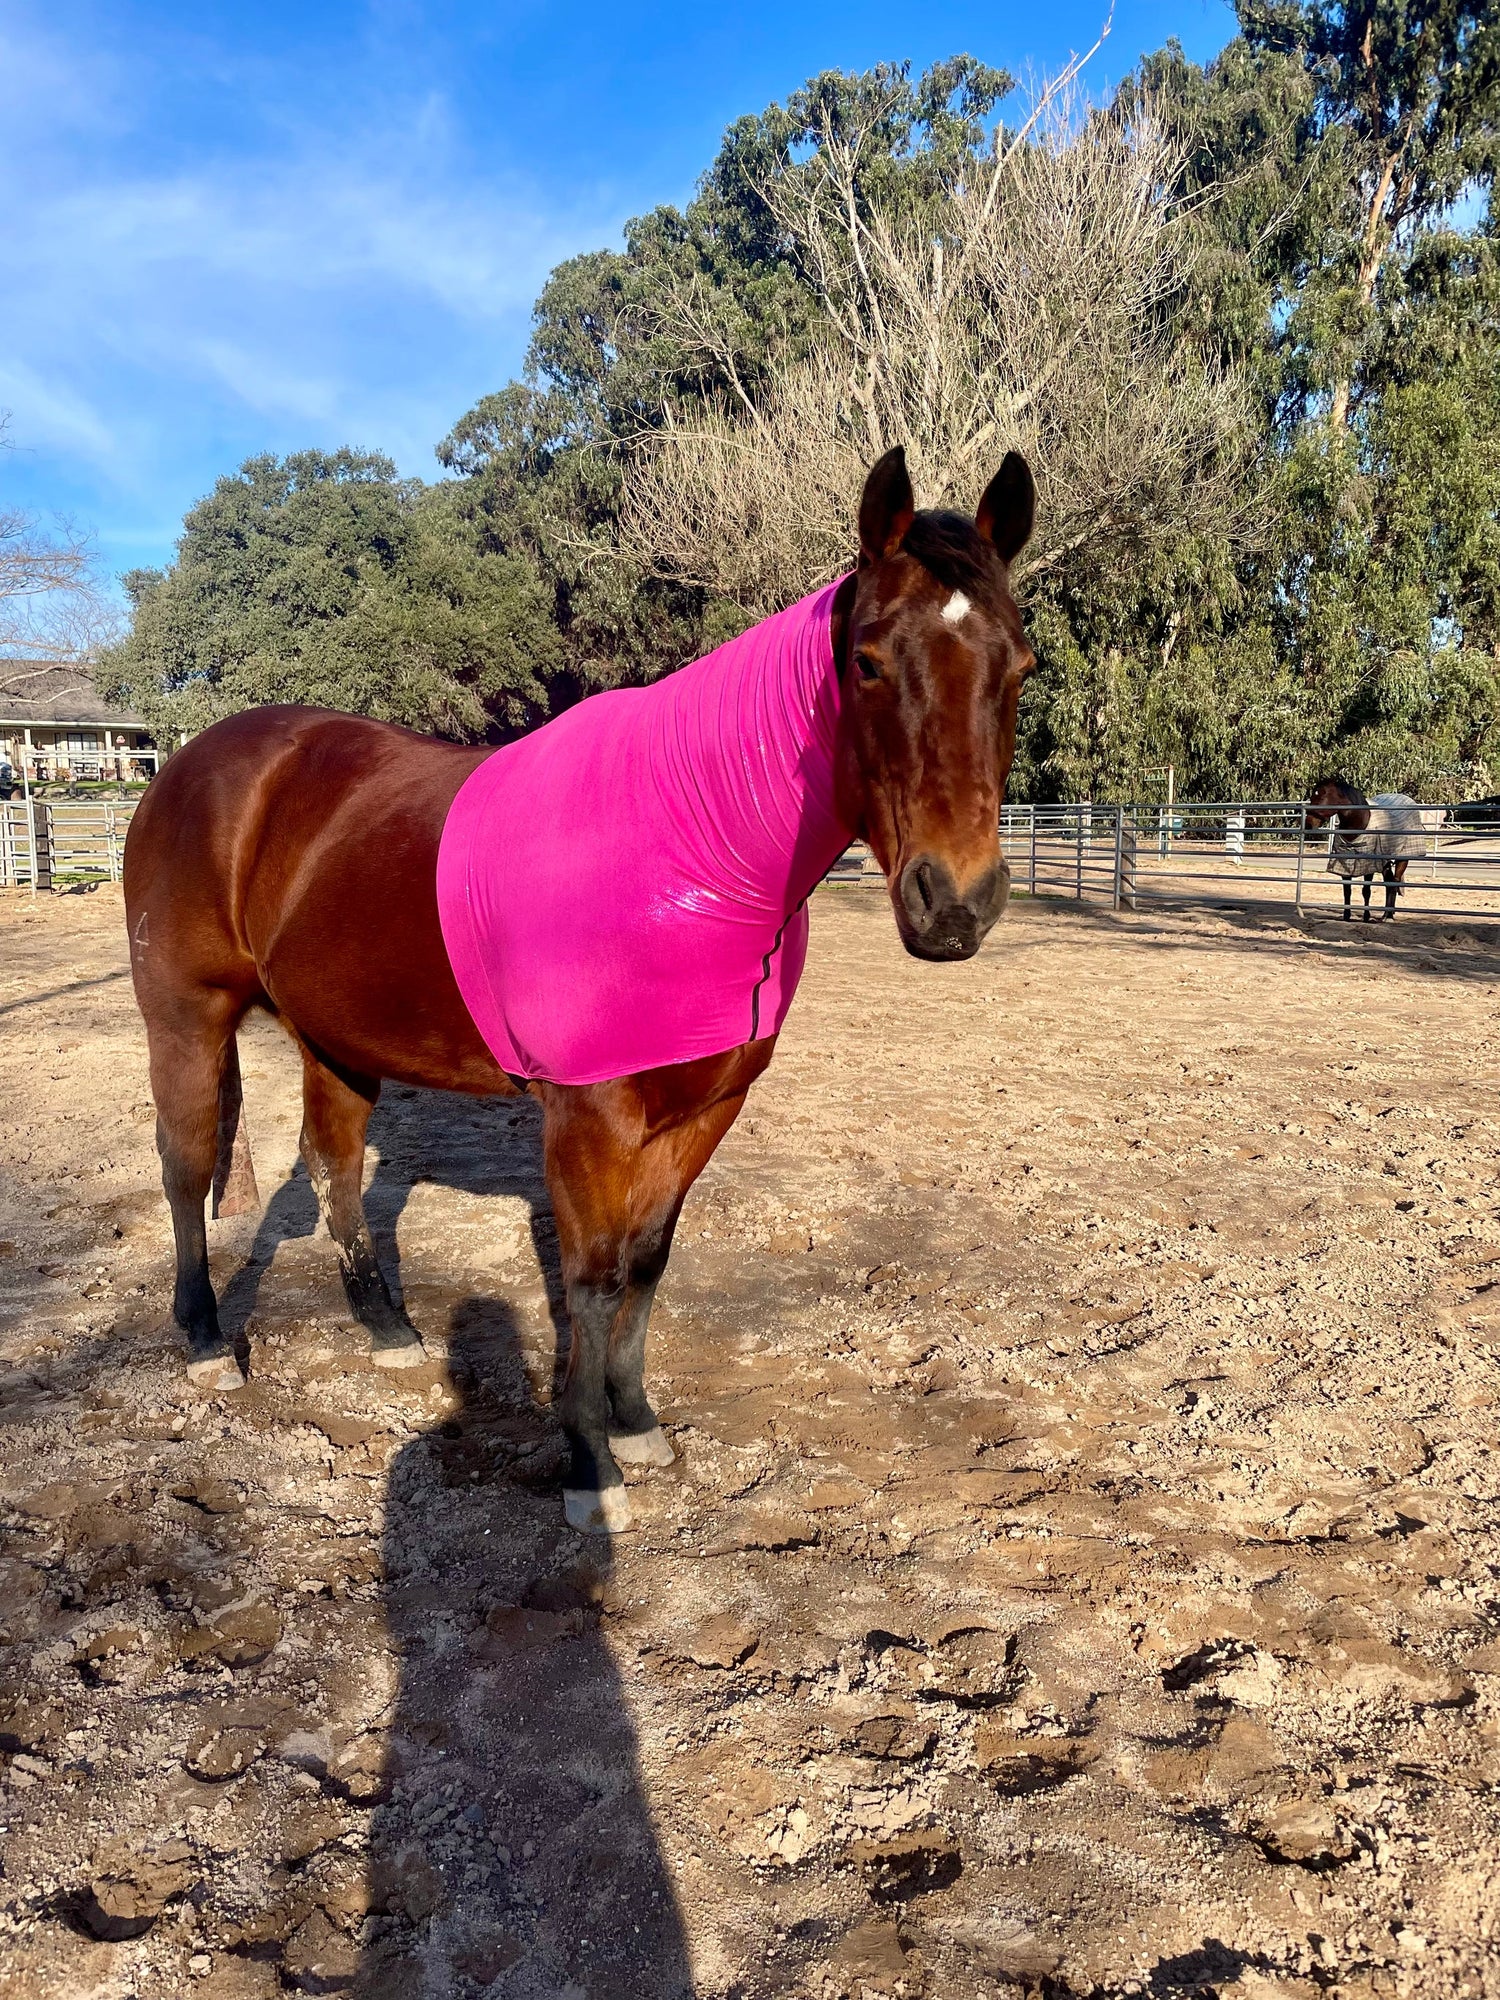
(935, 920)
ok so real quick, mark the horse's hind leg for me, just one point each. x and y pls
(335, 1114)
(1348, 892)
(192, 1052)
(1393, 873)
(1364, 888)
(234, 1188)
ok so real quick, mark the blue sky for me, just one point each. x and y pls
(239, 228)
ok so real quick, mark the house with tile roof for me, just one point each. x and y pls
(55, 726)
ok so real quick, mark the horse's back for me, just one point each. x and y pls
(291, 854)
(249, 790)
(227, 764)
(220, 784)
(1398, 825)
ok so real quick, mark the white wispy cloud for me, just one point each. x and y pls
(268, 283)
(344, 281)
(311, 225)
(55, 411)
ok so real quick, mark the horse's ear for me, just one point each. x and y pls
(1007, 508)
(887, 508)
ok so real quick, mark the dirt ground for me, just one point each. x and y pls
(1080, 1575)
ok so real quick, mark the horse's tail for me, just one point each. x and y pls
(234, 1188)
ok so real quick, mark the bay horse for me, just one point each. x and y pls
(287, 858)
(1382, 833)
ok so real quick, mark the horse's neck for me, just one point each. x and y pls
(1354, 814)
(751, 735)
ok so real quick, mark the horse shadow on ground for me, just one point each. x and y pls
(512, 1850)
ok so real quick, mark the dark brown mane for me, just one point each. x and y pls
(952, 549)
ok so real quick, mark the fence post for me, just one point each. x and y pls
(1119, 852)
(1032, 813)
(1078, 856)
(1301, 848)
(41, 846)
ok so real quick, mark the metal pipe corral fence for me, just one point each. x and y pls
(1234, 852)
(1245, 852)
(62, 843)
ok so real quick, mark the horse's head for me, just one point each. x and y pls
(932, 658)
(1336, 799)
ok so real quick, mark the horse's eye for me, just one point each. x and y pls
(869, 670)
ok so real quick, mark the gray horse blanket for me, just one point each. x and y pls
(1397, 832)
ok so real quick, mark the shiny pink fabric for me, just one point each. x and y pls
(626, 887)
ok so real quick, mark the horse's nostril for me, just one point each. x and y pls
(924, 884)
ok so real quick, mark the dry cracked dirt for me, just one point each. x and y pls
(1080, 1575)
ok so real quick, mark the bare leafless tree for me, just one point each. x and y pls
(1027, 306)
(52, 609)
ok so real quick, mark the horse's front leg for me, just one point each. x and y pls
(635, 1433)
(1348, 892)
(603, 1407)
(594, 1496)
(620, 1159)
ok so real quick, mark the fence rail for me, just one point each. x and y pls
(1243, 852)
(1083, 851)
(59, 843)
(1238, 852)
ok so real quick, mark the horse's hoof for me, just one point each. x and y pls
(602, 1513)
(402, 1354)
(215, 1373)
(642, 1448)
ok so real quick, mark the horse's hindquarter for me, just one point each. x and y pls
(338, 903)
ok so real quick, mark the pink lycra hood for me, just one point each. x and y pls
(627, 886)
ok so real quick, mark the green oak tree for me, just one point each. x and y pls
(323, 578)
